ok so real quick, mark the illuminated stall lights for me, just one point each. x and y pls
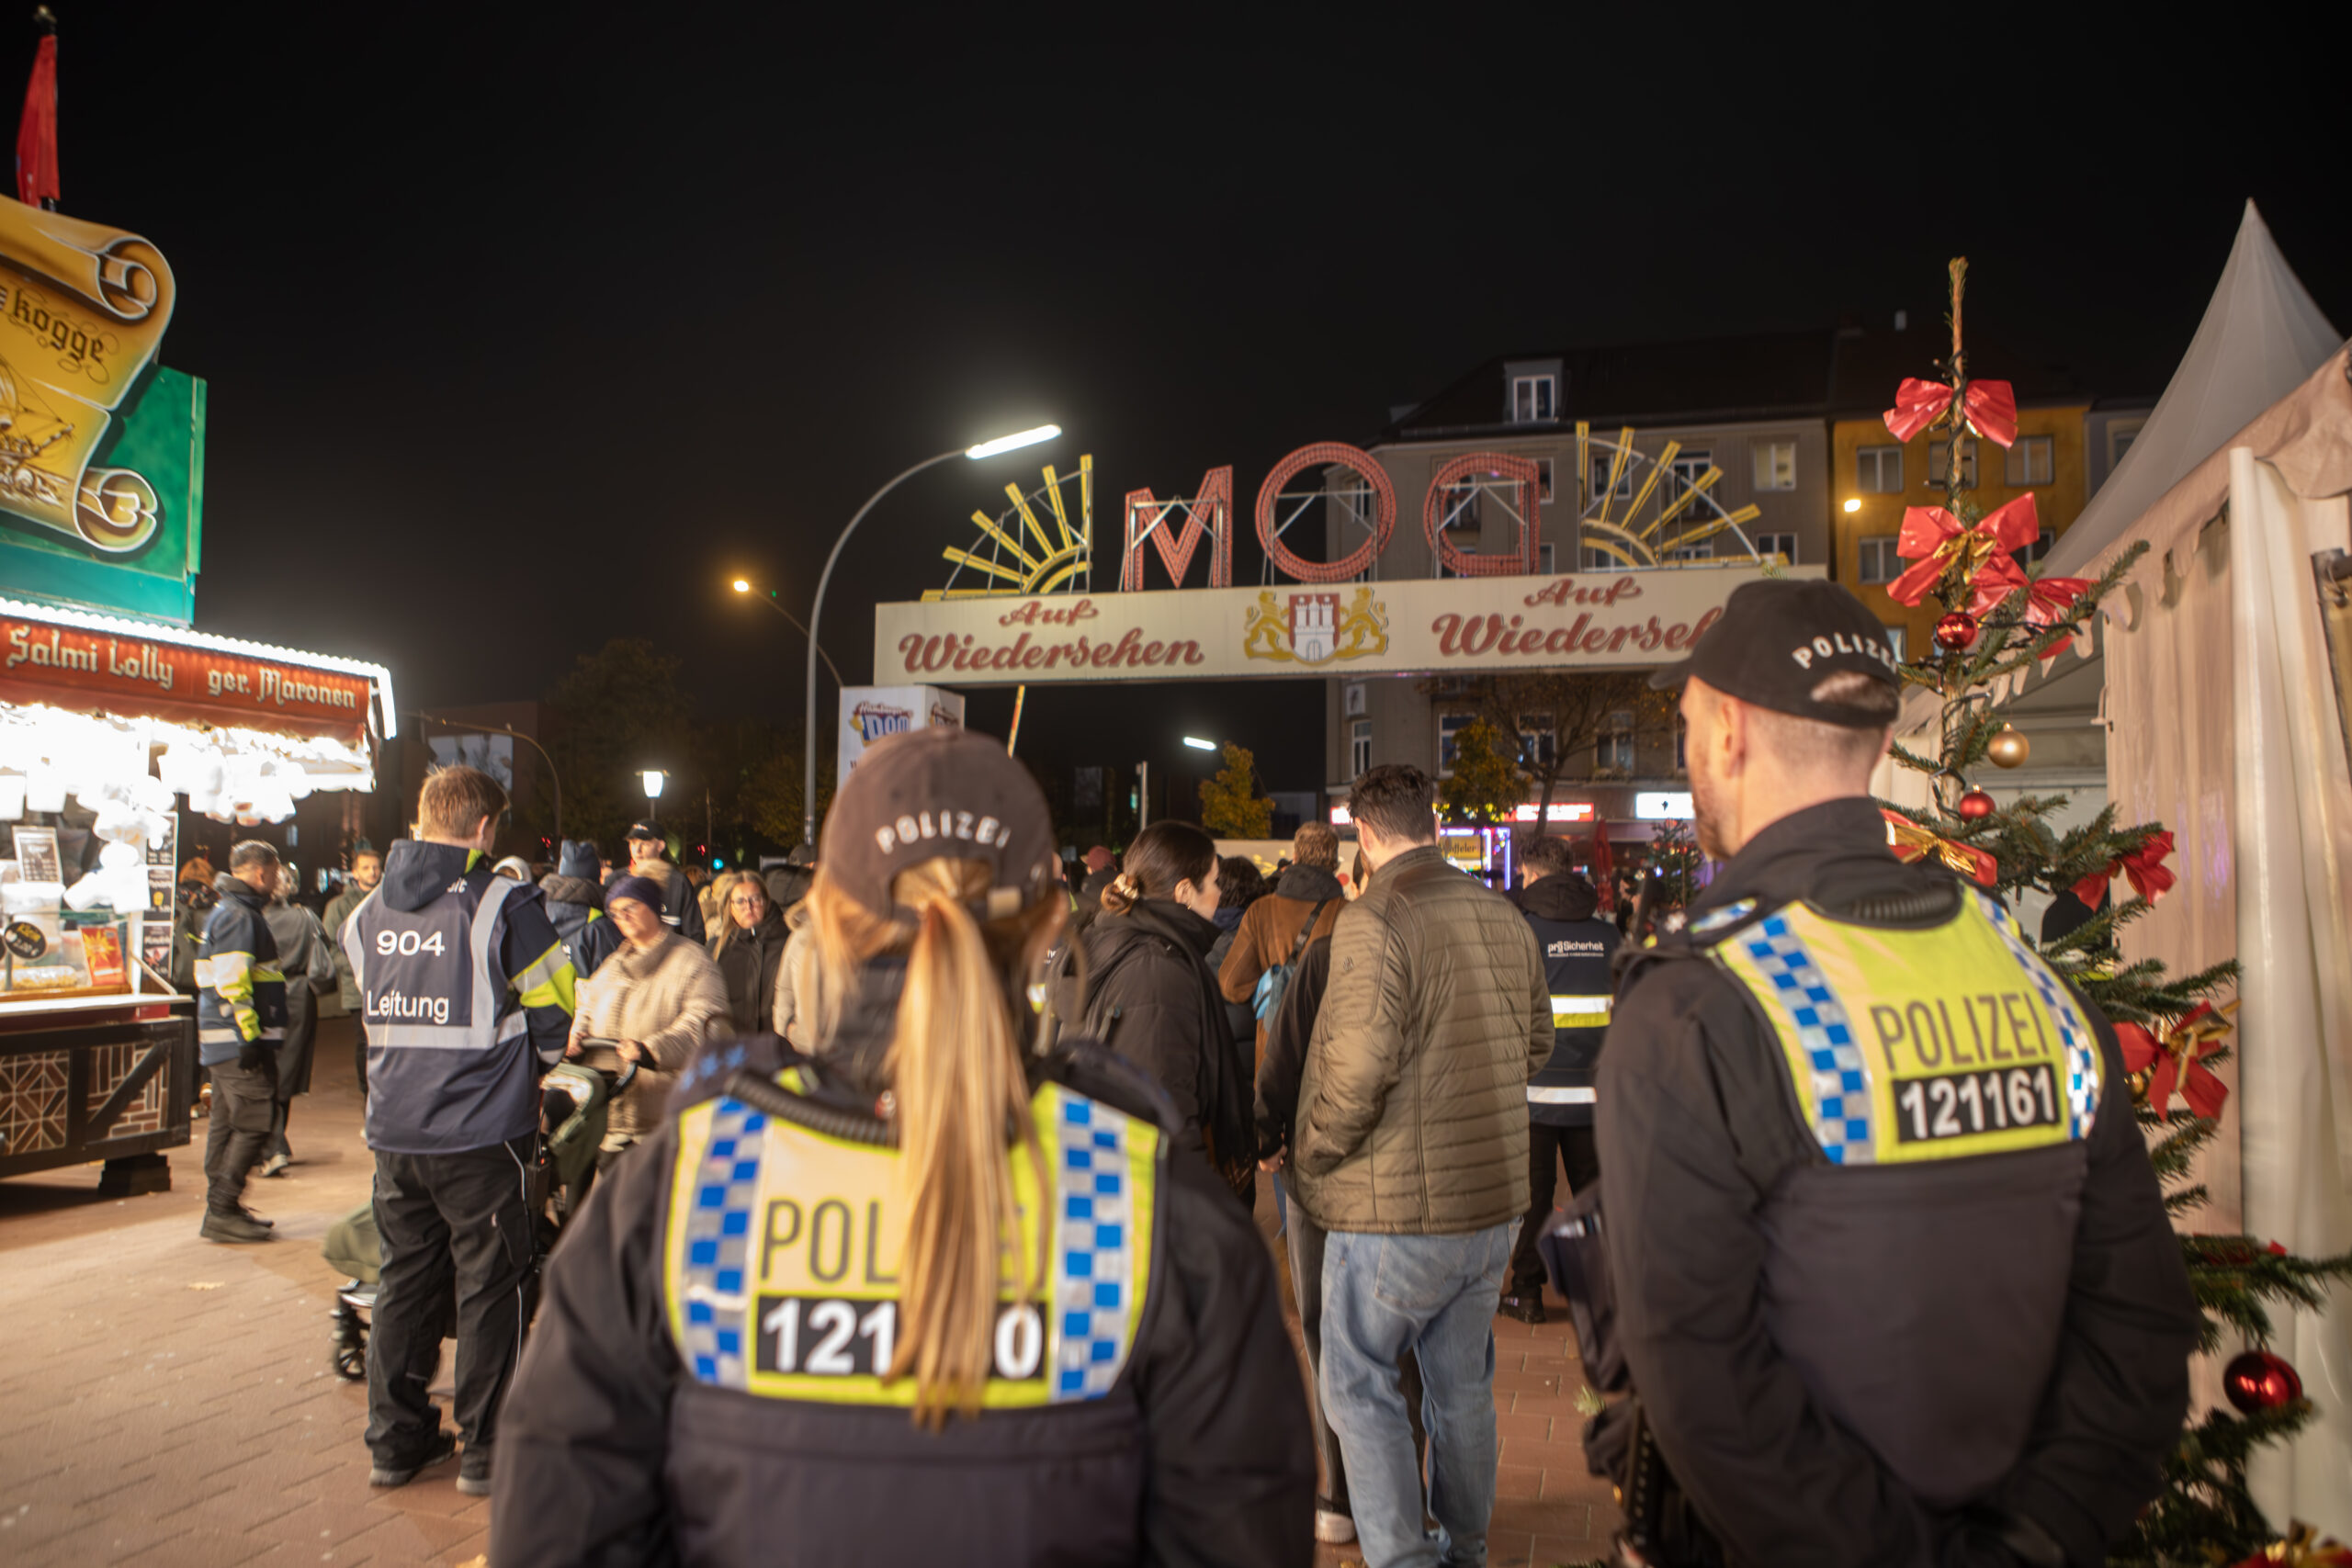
(1562, 811)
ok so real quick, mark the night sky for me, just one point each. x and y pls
(528, 329)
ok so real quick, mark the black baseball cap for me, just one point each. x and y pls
(647, 831)
(939, 792)
(1778, 638)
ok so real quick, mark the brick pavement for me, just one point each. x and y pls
(169, 1401)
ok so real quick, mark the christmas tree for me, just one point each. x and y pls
(1999, 622)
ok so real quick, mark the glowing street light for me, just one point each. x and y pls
(1197, 744)
(742, 585)
(1854, 503)
(816, 607)
(652, 777)
(1012, 443)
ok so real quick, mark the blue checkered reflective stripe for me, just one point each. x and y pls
(1842, 1085)
(718, 1236)
(1095, 1248)
(2081, 1046)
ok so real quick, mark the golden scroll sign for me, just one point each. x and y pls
(83, 309)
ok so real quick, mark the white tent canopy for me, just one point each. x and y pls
(2224, 726)
(2261, 337)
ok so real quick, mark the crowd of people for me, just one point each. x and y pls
(931, 1194)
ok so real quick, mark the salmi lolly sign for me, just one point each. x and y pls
(1591, 621)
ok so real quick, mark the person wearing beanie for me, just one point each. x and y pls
(784, 1330)
(575, 905)
(660, 996)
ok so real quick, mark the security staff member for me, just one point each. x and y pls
(465, 992)
(926, 1280)
(1893, 1275)
(1560, 904)
(240, 1018)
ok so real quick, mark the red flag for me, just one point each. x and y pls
(37, 133)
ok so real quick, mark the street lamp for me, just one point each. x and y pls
(1853, 503)
(744, 585)
(817, 608)
(1197, 744)
(652, 777)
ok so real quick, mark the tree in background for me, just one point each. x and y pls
(617, 712)
(1485, 785)
(1231, 807)
(1999, 622)
(1674, 864)
(1547, 720)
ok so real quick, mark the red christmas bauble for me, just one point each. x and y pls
(2260, 1381)
(1975, 805)
(1956, 633)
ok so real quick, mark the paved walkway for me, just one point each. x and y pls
(169, 1401)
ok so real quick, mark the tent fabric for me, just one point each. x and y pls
(2292, 812)
(2261, 336)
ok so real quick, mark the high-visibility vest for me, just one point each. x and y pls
(241, 994)
(1576, 966)
(1919, 1044)
(450, 1062)
(782, 1257)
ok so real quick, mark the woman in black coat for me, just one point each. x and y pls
(1150, 996)
(748, 950)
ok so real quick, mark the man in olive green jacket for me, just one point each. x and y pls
(1411, 1152)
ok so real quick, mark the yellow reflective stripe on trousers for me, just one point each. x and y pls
(783, 1261)
(1906, 1045)
(1581, 1012)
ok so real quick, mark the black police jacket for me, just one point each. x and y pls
(610, 1454)
(1577, 951)
(1712, 1184)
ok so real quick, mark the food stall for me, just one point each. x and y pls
(114, 734)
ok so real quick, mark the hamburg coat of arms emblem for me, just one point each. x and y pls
(1313, 629)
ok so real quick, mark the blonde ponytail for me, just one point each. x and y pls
(955, 1066)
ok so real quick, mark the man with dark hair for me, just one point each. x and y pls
(465, 995)
(240, 1018)
(1561, 907)
(649, 856)
(1892, 1273)
(1275, 928)
(1410, 1153)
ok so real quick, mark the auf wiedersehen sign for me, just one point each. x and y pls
(1601, 620)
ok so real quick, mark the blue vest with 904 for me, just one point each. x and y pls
(1576, 954)
(449, 1061)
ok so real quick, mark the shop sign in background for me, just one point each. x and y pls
(101, 449)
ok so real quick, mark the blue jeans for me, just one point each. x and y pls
(1433, 1295)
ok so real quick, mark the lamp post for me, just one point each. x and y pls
(816, 607)
(653, 779)
(768, 597)
(554, 782)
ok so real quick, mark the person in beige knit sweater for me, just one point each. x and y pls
(660, 996)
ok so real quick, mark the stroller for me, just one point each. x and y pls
(573, 1101)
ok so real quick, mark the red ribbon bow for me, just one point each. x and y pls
(1934, 539)
(1910, 842)
(2143, 866)
(2048, 601)
(1990, 409)
(2175, 1059)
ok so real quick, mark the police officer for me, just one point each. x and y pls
(465, 993)
(1893, 1275)
(240, 1018)
(924, 1285)
(1560, 904)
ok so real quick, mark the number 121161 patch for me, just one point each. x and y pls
(1960, 1105)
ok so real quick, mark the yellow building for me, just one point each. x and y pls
(1874, 477)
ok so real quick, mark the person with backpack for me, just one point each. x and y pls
(1149, 997)
(1305, 904)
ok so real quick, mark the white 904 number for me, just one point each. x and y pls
(390, 942)
(834, 1337)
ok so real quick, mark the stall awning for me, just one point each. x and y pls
(93, 663)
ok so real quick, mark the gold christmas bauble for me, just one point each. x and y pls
(2009, 749)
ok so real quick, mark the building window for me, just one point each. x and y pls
(1536, 741)
(1776, 464)
(1613, 751)
(1879, 561)
(1681, 744)
(1542, 479)
(1781, 545)
(1938, 452)
(1352, 699)
(1897, 636)
(1457, 505)
(1448, 725)
(1359, 748)
(1704, 550)
(1682, 476)
(1531, 398)
(1543, 559)
(2028, 554)
(2120, 436)
(1878, 471)
(2029, 461)
(1598, 559)
(1598, 478)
